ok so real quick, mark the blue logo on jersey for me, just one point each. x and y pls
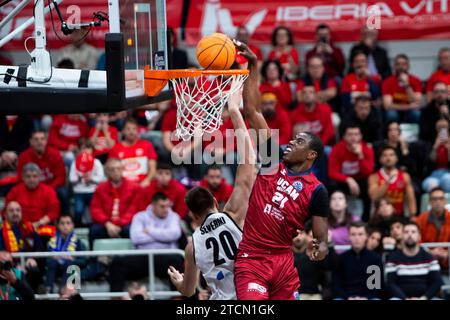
(220, 275)
(298, 186)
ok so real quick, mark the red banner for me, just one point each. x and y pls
(396, 20)
(69, 9)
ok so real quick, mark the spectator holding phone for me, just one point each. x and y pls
(13, 286)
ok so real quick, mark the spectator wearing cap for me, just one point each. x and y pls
(51, 165)
(378, 61)
(412, 272)
(156, 227)
(325, 86)
(402, 93)
(434, 225)
(331, 55)
(113, 204)
(368, 119)
(350, 163)
(442, 74)
(313, 116)
(284, 52)
(85, 174)
(272, 81)
(359, 81)
(438, 108)
(138, 156)
(166, 184)
(39, 202)
(217, 185)
(277, 118)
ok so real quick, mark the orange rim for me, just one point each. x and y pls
(189, 73)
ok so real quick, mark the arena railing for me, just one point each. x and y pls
(151, 268)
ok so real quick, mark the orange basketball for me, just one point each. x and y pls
(216, 52)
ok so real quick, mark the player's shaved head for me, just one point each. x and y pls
(199, 201)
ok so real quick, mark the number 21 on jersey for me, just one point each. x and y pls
(279, 199)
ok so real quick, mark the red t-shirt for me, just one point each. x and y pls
(330, 84)
(169, 124)
(282, 92)
(318, 121)
(351, 83)
(241, 60)
(65, 132)
(222, 193)
(396, 191)
(281, 122)
(437, 76)
(283, 57)
(135, 158)
(398, 93)
(100, 146)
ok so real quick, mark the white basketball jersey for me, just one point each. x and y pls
(215, 245)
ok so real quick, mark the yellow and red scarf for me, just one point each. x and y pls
(13, 244)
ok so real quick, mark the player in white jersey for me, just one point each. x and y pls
(215, 242)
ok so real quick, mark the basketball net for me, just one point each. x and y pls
(201, 100)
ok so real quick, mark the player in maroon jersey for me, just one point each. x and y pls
(285, 195)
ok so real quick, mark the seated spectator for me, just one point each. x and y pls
(374, 241)
(438, 108)
(440, 159)
(325, 85)
(85, 174)
(166, 184)
(103, 136)
(51, 164)
(313, 116)
(277, 118)
(350, 163)
(284, 52)
(412, 272)
(434, 225)
(243, 36)
(350, 278)
(378, 61)
(359, 82)
(217, 185)
(392, 183)
(65, 240)
(272, 81)
(312, 274)
(158, 227)
(113, 204)
(340, 218)
(138, 156)
(402, 93)
(383, 216)
(442, 74)
(366, 117)
(13, 286)
(394, 241)
(39, 203)
(331, 55)
(64, 134)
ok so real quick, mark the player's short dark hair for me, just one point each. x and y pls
(213, 167)
(358, 224)
(266, 65)
(315, 144)
(163, 165)
(387, 147)
(65, 215)
(289, 32)
(199, 200)
(159, 196)
(322, 26)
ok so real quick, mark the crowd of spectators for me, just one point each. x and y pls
(113, 173)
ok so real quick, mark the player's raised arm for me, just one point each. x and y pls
(251, 95)
(246, 173)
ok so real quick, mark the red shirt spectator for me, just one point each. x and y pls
(164, 183)
(284, 51)
(276, 117)
(138, 156)
(103, 136)
(49, 160)
(330, 83)
(399, 96)
(217, 185)
(442, 74)
(108, 197)
(242, 35)
(66, 130)
(272, 73)
(351, 157)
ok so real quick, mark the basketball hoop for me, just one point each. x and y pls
(200, 96)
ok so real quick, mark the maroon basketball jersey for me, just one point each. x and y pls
(278, 206)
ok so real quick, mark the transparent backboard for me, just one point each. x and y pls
(143, 25)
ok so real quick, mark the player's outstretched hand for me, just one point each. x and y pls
(176, 277)
(245, 51)
(316, 250)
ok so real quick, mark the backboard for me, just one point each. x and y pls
(137, 37)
